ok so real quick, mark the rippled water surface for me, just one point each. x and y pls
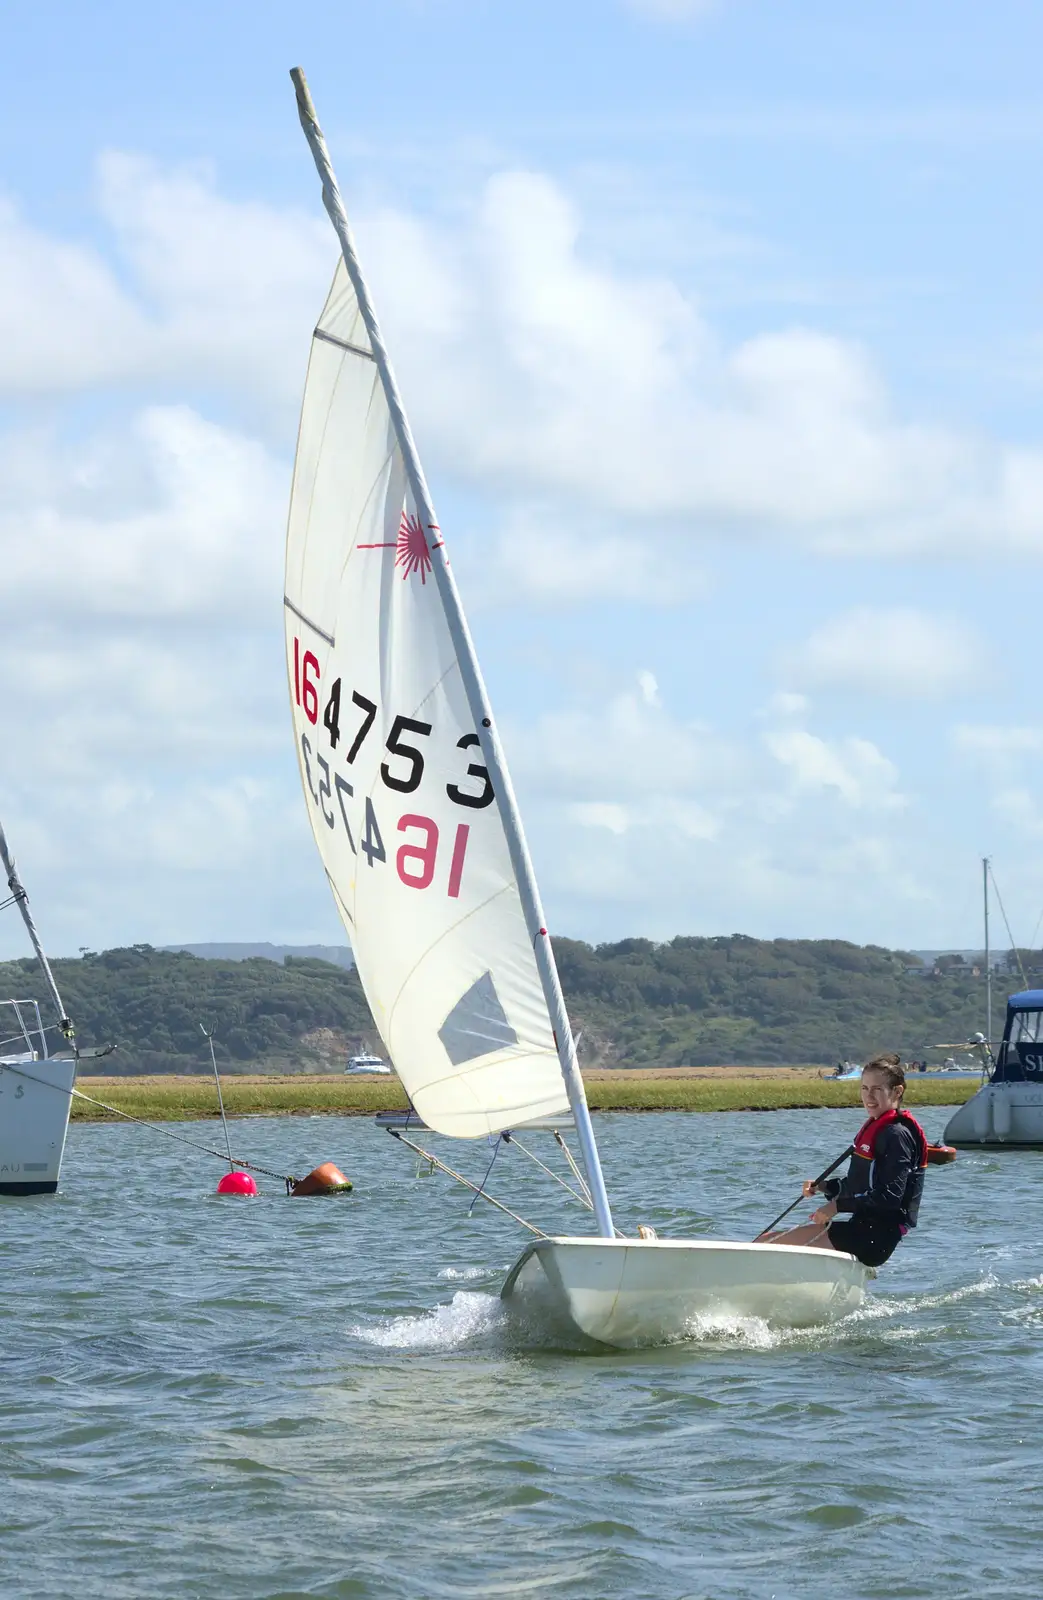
(273, 1398)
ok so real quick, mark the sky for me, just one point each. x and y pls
(720, 328)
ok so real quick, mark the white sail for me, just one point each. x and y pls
(400, 799)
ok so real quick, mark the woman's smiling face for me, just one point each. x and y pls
(877, 1094)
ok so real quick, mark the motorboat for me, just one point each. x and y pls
(1008, 1108)
(368, 1064)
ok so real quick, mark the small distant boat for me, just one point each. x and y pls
(415, 819)
(950, 1069)
(1008, 1108)
(368, 1064)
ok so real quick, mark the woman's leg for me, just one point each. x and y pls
(810, 1233)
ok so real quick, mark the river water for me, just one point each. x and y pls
(270, 1399)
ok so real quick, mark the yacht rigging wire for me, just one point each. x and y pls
(1006, 924)
(451, 1172)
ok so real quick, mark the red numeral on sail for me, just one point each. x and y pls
(423, 854)
(310, 687)
(456, 867)
(297, 670)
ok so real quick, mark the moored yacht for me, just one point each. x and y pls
(1008, 1108)
(35, 1087)
(35, 1095)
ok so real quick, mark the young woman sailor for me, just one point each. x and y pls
(880, 1194)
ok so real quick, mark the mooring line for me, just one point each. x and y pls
(179, 1138)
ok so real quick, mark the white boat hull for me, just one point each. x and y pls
(999, 1114)
(631, 1292)
(34, 1118)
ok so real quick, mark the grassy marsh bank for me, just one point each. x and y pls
(177, 1099)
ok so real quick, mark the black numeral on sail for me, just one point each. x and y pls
(343, 788)
(306, 753)
(331, 715)
(411, 754)
(371, 843)
(475, 770)
(370, 709)
(324, 790)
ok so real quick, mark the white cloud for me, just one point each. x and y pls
(200, 290)
(623, 751)
(533, 369)
(601, 814)
(538, 558)
(995, 742)
(540, 370)
(778, 830)
(891, 651)
(853, 768)
(1005, 757)
(164, 514)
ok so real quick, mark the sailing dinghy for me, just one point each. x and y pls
(417, 825)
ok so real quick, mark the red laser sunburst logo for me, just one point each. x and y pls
(412, 552)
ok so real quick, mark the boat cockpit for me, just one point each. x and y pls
(1020, 1055)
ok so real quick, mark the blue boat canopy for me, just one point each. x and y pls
(1027, 1000)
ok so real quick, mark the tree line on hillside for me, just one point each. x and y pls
(304, 1015)
(689, 1001)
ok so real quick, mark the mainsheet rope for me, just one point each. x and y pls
(452, 1173)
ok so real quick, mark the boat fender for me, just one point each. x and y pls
(939, 1154)
(324, 1179)
(1001, 1118)
(237, 1183)
(982, 1113)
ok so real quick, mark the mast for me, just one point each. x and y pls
(470, 672)
(21, 899)
(988, 959)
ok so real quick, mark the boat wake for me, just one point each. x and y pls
(473, 1317)
(469, 1317)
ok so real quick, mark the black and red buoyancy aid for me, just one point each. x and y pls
(867, 1148)
(864, 1142)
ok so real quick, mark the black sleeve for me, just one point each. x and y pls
(897, 1154)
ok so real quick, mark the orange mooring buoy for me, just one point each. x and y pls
(939, 1154)
(325, 1179)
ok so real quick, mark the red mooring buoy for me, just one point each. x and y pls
(237, 1183)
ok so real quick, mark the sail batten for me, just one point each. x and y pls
(408, 792)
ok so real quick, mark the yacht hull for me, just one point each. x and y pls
(633, 1292)
(34, 1118)
(999, 1114)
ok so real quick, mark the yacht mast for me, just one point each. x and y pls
(470, 673)
(988, 958)
(21, 899)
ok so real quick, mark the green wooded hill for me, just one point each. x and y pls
(305, 1016)
(688, 1002)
